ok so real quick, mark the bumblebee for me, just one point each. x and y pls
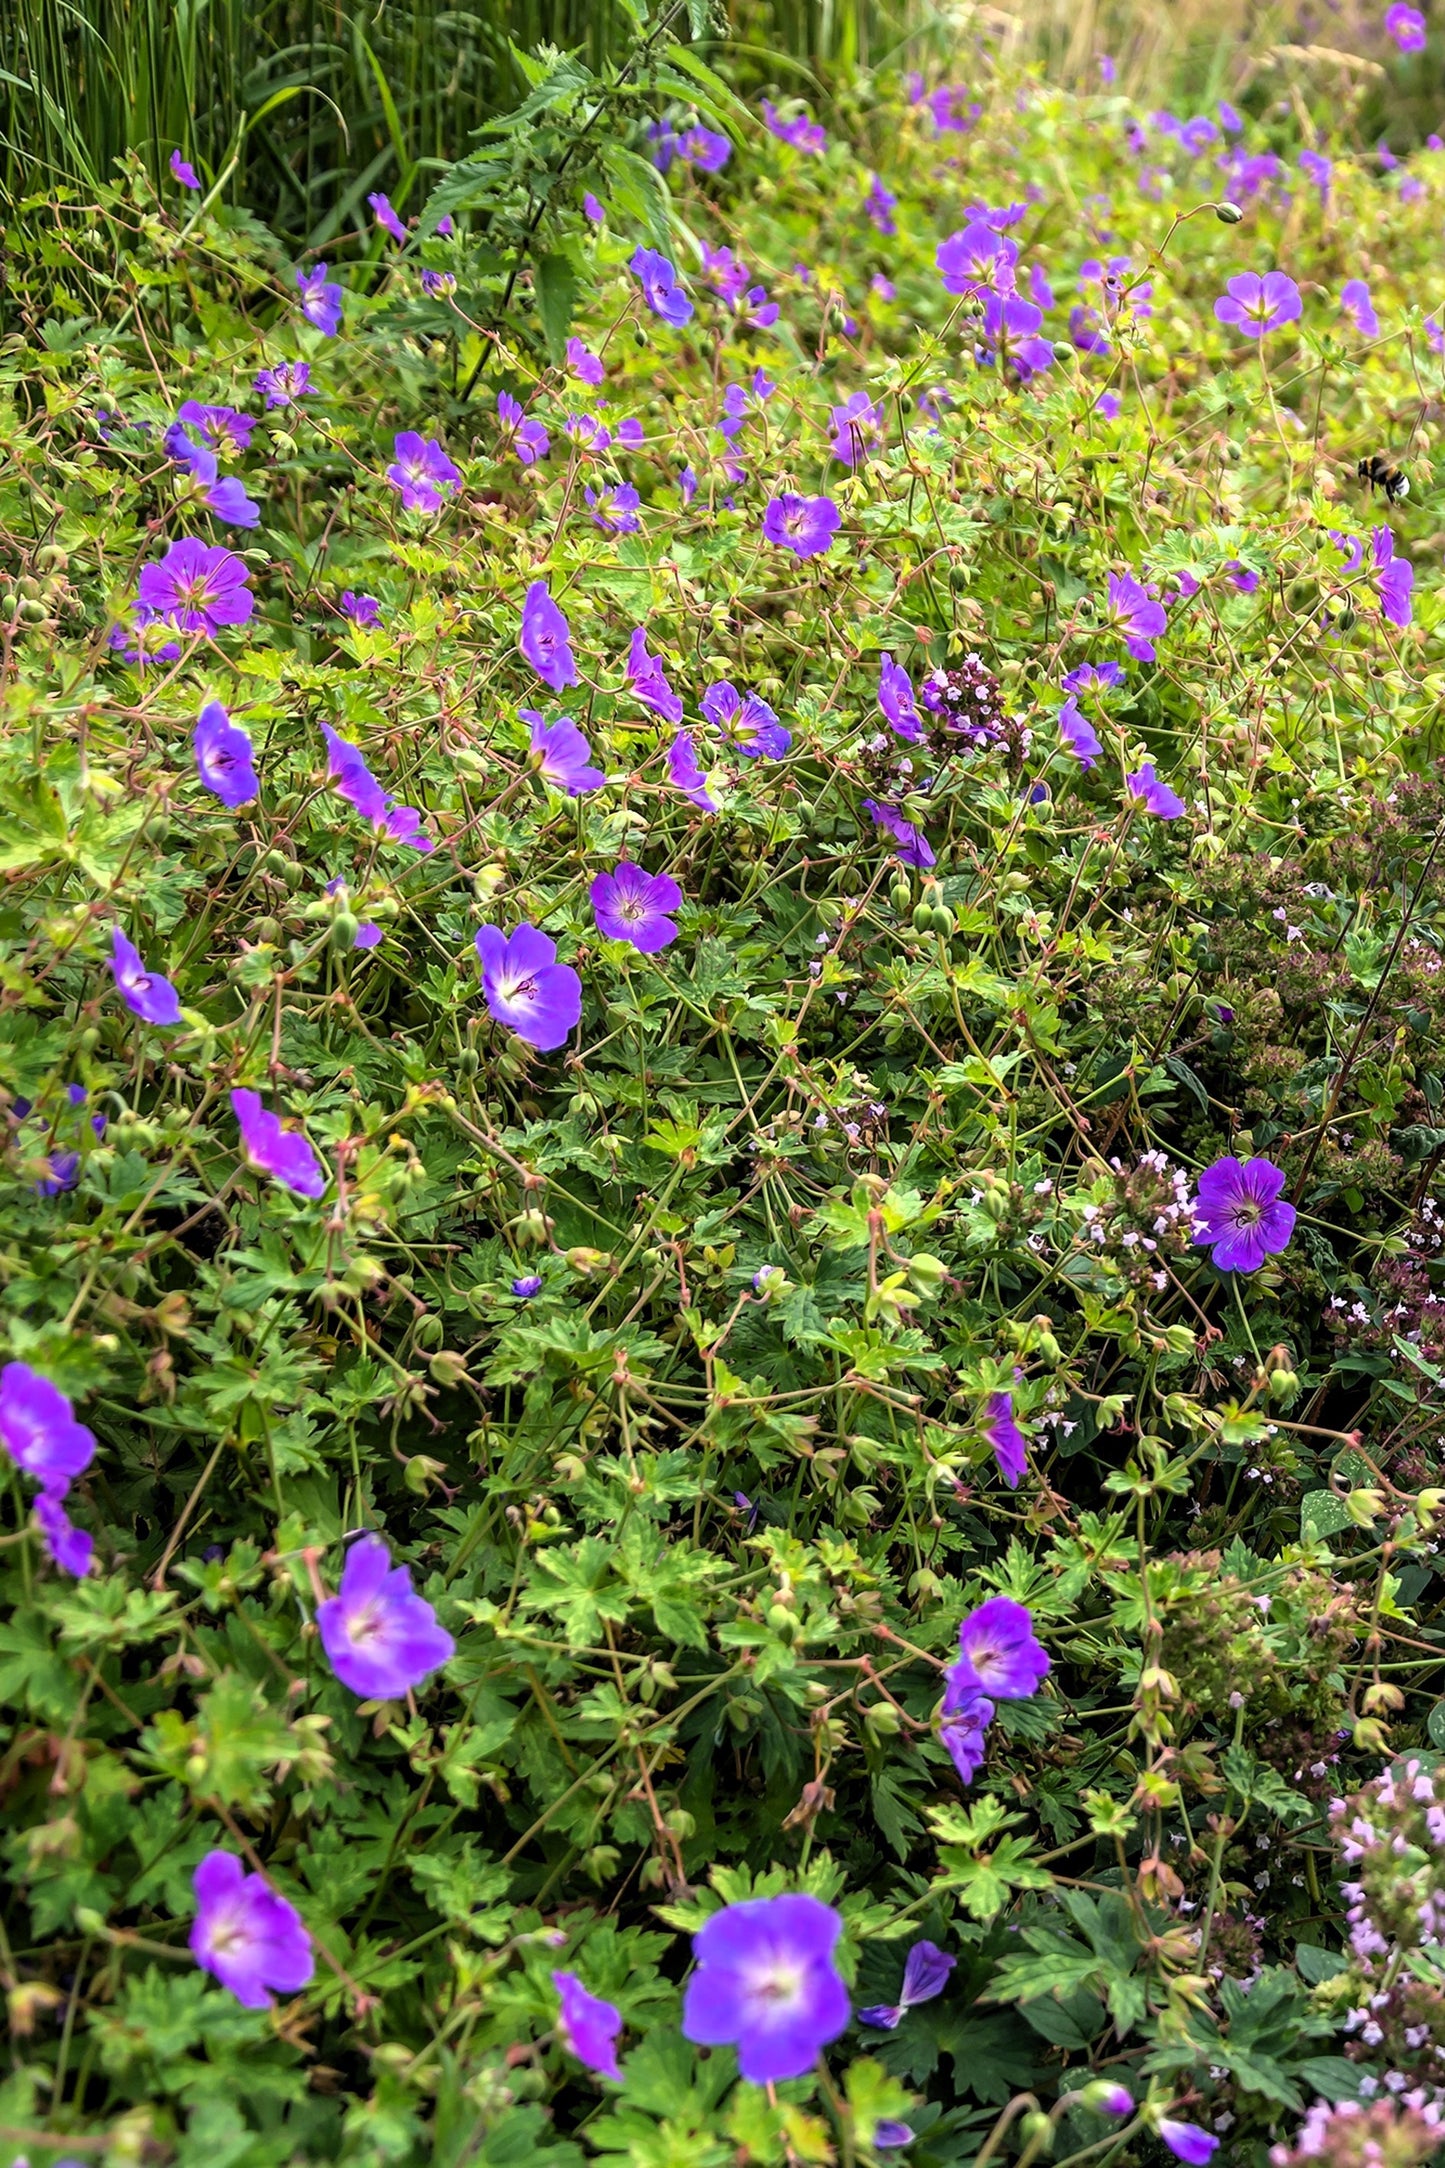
(1377, 472)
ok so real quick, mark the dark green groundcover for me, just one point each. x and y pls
(684, 1361)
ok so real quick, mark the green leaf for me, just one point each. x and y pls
(555, 284)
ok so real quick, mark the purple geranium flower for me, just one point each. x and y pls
(802, 131)
(223, 428)
(1155, 797)
(1317, 168)
(530, 440)
(385, 216)
(1357, 305)
(1406, 25)
(857, 426)
(225, 496)
(910, 843)
(804, 525)
(1010, 1447)
(1187, 2142)
(39, 1431)
(525, 988)
(685, 775)
(648, 679)
(185, 173)
(562, 754)
(766, 1982)
(1255, 305)
(747, 720)
(527, 1285)
(1135, 613)
(879, 204)
(1011, 328)
(320, 300)
(223, 757)
(346, 766)
(1394, 578)
(704, 148)
(997, 1643)
(631, 905)
(421, 471)
(286, 383)
(437, 283)
(615, 510)
(70, 1547)
(925, 1974)
(587, 367)
(660, 290)
(250, 1938)
(977, 259)
(963, 1721)
(1077, 734)
(146, 994)
(381, 1638)
(1240, 1215)
(195, 588)
(546, 640)
(286, 1155)
(588, 2026)
(593, 209)
(889, 2134)
(896, 699)
(363, 610)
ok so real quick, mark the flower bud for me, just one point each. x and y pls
(1105, 2097)
(1228, 214)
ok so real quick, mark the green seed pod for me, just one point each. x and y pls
(344, 929)
(32, 612)
(1228, 214)
(469, 1061)
(900, 895)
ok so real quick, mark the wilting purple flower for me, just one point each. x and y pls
(381, 1638)
(857, 426)
(385, 216)
(1187, 2142)
(546, 641)
(250, 1938)
(615, 510)
(363, 610)
(225, 496)
(1135, 613)
(320, 300)
(70, 1547)
(527, 1285)
(755, 308)
(562, 754)
(184, 173)
(1010, 1447)
(889, 2134)
(1011, 334)
(223, 428)
(146, 994)
(766, 1982)
(530, 440)
(963, 1721)
(592, 209)
(421, 471)
(685, 775)
(1077, 734)
(1041, 293)
(437, 283)
(998, 1644)
(588, 2026)
(747, 721)
(910, 843)
(1093, 677)
(1155, 797)
(1357, 305)
(879, 204)
(1085, 332)
(976, 259)
(346, 766)
(804, 525)
(196, 588)
(286, 1155)
(925, 1974)
(39, 1431)
(896, 699)
(660, 290)
(1406, 26)
(143, 641)
(1256, 305)
(1394, 578)
(802, 131)
(286, 383)
(1241, 1216)
(1317, 168)
(587, 367)
(648, 679)
(631, 905)
(525, 988)
(223, 757)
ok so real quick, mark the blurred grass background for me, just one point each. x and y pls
(305, 105)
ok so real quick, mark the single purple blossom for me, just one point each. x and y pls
(587, 2026)
(70, 1548)
(1107, 404)
(804, 525)
(196, 588)
(183, 172)
(660, 290)
(1106, 2099)
(562, 754)
(381, 1638)
(436, 284)
(1255, 305)
(421, 471)
(223, 757)
(1198, 135)
(403, 824)
(1406, 25)
(223, 428)
(1155, 797)
(1243, 576)
(546, 641)
(39, 1431)
(1041, 293)
(368, 935)
(143, 641)
(247, 1935)
(704, 148)
(857, 427)
(648, 679)
(286, 383)
(879, 204)
(363, 610)
(883, 287)
(1077, 734)
(977, 259)
(631, 905)
(1356, 303)
(1010, 1447)
(1241, 1216)
(286, 1155)
(766, 1982)
(1230, 119)
(889, 2134)
(1394, 578)
(530, 440)
(593, 210)
(385, 216)
(587, 367)
(925, 1974)
(145, 993)
(685, 775)
(1187, 2142)
(446, 226)
(802, 131)
(996, 1640)
(525, 988)
(747, 721)
(354, 781)
(320, 300)
(1135, 613)
(896, 699)
(63, 1174)
(1317, 168)
(1010, 330)
(630, 433)
(909, 842)
(615, 510)
(1093, 677)
(527, 1285)
(963, 1721)
(725, 272)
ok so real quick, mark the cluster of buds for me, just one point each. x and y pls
(1386, 2134)
(1140, 1216)
(967, 700)
(1392, 1835)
